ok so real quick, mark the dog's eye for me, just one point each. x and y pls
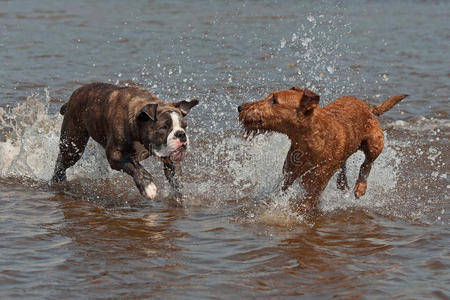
(165, 127)
(274, 100)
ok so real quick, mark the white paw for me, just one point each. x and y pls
(150, 191)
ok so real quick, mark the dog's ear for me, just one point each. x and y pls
(185, 106)
(309, 98)
(297, 89)
(308, 102)
(148, 112)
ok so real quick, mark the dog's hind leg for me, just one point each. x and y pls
(372, 147)
(341, 181)
(72, 143)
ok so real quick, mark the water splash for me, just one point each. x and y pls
(321, 55)
(30, 135)
(220, 170)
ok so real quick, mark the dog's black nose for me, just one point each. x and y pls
(239, 108)
(181, 135)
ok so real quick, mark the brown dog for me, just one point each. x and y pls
(322, 137)
(131, 124)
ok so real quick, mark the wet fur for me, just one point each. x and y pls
(130, 123)
(322, 138)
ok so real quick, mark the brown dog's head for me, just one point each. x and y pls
(281, 111)
(163, 128)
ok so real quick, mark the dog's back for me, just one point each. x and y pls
(98, 107)
(353, 114)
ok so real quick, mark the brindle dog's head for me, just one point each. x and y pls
(280, 111)
(163, 128)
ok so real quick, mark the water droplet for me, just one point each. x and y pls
(311, 19)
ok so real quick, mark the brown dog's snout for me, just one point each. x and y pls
(244, 106)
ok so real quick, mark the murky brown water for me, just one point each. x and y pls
(234, 237)
(57, 246)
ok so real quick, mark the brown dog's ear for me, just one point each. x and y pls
(186, 106)
(310, 98)
(308, 101)
(148, 112)
(297, 89)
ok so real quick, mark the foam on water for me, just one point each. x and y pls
(431, 125)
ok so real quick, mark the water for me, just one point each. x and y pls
(95, 237)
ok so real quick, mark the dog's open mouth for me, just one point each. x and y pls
(178, 154)
(252, 129)
(250, 134)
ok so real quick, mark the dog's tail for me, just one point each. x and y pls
(387, 105)
(63, 109)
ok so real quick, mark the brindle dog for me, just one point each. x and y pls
(131, 124)
(322, 137)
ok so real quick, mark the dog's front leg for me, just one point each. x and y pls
(293, 167)
(141, 177)
(310, 199)
(314, 181)
(170, 170)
